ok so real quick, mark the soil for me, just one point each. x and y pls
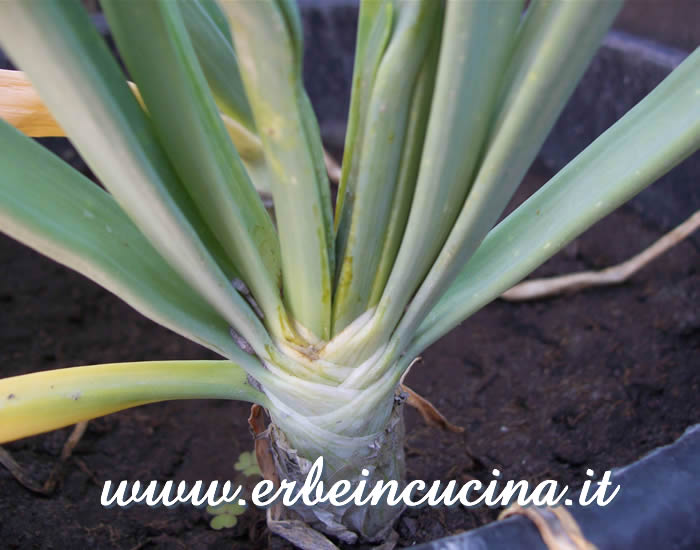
(544, 390)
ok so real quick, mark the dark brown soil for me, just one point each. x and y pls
(544, 390)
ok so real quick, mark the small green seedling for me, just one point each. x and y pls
(225, 515)
(247, 464)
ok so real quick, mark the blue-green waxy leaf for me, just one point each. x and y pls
(159, 54)
(410, 163)
(67, 61)
(475, 48)
(211, 39)
(657, 134)
(49, 206)
(218, 17)
(551, 54)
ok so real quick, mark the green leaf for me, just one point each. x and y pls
(157, 50)
(410, 163)
(211, 39)
(378, 158)
(374, 27)
(247, 464)
(49, 206)
(225, 514)
(42, 401)
(80, 82)
(653, 137)
(476, 44)
(271, 71)
(223, 521)
(539, 81)
(218, 17)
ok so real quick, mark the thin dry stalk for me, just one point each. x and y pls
(614, 275)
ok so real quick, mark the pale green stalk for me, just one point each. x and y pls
(476, 41)
(271, 71)
(360, 244)
(410, 163)
(374, 26)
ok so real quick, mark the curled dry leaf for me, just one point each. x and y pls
(427, 410)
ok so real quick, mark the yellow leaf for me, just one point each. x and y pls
(21, 107)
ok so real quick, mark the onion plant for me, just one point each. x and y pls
(316, 313)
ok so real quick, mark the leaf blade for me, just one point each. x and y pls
(55, 210)
(462, 102)
(211, 39)
(476, 41)
(271, 74)
(545, 77)
(43, 401)
(156, 47)
(70, 66)
(654, 136)
(378, 158)
(373, 31)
